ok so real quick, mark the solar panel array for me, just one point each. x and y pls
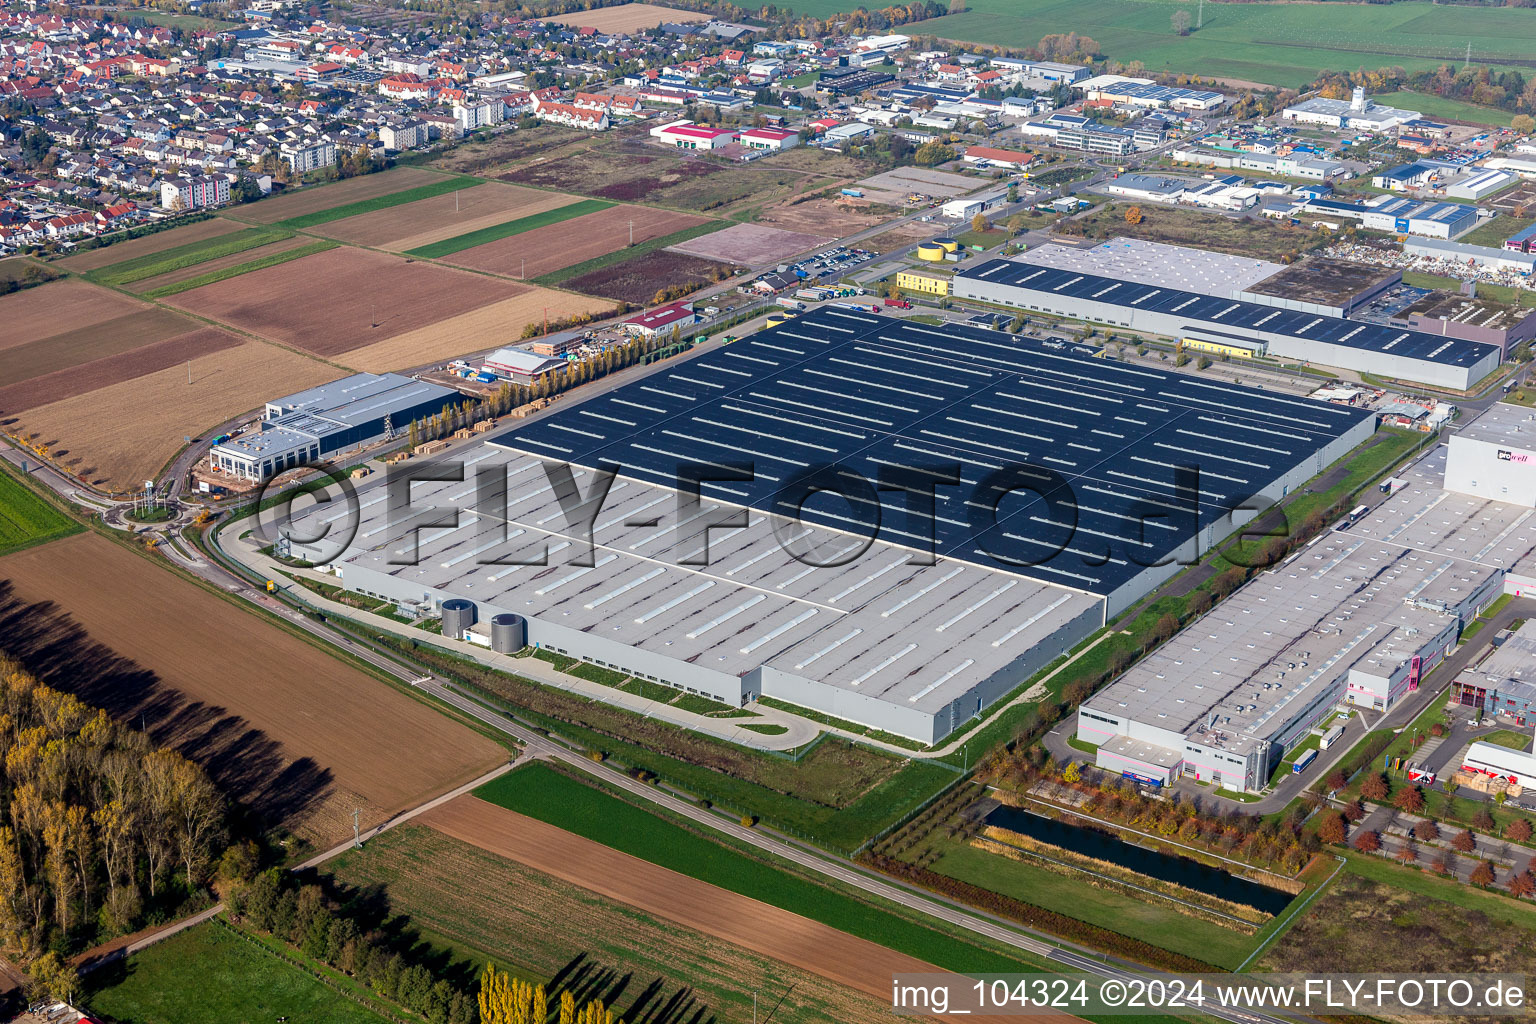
(860, 394)
(1229, 315)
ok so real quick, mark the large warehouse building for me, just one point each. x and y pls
(312, 425)
(1355, 619)
(875, 634)
(1397, 353)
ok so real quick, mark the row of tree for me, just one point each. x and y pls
(508, 1000)
(102, 828)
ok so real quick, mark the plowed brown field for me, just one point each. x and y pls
(324, 197)
(57, 308)
(299, 736)
(627, 18)
(483, 328)
(93, 341)
(432, 220)
(790, 938)
(562, 245)
(160, 241)
(120, 435)
(112, 368)
(343, 299)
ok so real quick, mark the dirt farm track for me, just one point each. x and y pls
(296, 735)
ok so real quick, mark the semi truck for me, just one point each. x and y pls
(1301, 762)
(1330, 736)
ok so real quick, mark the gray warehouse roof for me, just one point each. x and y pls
(881, 625)
(1232, 315)
(853, 396)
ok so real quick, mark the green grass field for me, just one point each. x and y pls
(244, 268)
(26, 519)
(1496, 231)
(185, 22)
(470, 239)
(410, 195)
(1436, 106)
(183, 256)
(1151, 919)
(209, 973)
(543, 793)
(1283, 44)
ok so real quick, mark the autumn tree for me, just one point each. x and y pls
(1426, 831)
(1409, 799)
(1181, 22)
(1523, 124)
(1464, 841)
(979, 223)
(1407, 854)
(1482, 874)
(1519, 830)
(1374, 786)
(1367, 841)
(1133, 215)
(1332, 828)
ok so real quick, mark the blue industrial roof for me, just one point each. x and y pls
(861, 394)
(1160, 93)
(1529, 231)
(1230, 315)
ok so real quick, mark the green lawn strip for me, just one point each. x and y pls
(263, 263)
(1509, 738)
(211, 973)
(631, 252)
(1433, 886)
(766, 728)
(841, 723)
(1150, 919)
(840, 828)
(1487, 616)
(25, 518)
(410, 195)
(182, 256)
(550, 796)
(470, 239)
(699, 705)
(596, 674)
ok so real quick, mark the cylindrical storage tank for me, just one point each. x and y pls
(509, 633)
(947, 244)
(458, 615)
(931, 251)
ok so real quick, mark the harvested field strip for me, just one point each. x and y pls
(120, 252)
(432, 220)
(297, 734)
(741, 920)
(474, 331)
(112, 369)
(214, 276)
(25, 518)
(84, 344)
(57, 308)
(344, 298)
(295, 202)
(87, 431)
(541, 792)
(150, 284)
(638, 279)
(189, 255)
(383, 202)
(624, 255)
(483, 906)
(555, 246)
(458, 243)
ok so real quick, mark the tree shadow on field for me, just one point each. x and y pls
(245, 763)
(586, 980)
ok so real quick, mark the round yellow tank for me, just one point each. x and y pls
(947, 244)
(931, 251)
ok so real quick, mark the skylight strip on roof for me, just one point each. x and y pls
(626, 588)
(946, 677)
(780, 631)
(695, 592)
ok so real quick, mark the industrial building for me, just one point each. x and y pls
(1156, 263)
(1143, 92)
(352, 412)
(1320, 285)
(1400, 354)
(1494, 456)
(1399, 214)
(1294, 165)
(520, 366)
(1504, 682)
(1471, 317)
(833, 604)
(1358, 113)
(1354, 619)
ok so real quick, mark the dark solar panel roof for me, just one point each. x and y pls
(1230, 315)
(862, 393)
